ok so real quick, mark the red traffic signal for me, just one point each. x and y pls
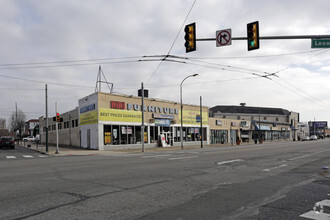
(58, 118)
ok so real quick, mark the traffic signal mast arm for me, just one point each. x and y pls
(273, 37)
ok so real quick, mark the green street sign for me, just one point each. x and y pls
(321, 43)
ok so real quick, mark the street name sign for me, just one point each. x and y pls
(223, 37)
(321, 43)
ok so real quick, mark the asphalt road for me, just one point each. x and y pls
(267, 181)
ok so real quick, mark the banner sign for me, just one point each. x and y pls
(106, 114)
(189, 117)
(88, 118)
(162, 122)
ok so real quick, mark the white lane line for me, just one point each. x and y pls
(161, 155)
(181, 158)
(27, 156)
(274, 168)
(11, 157)
(308, 155)
(43, 156)
(228, 162)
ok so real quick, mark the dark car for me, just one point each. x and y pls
(7, 142)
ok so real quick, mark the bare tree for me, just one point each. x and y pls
(3, 130)
(17, 121)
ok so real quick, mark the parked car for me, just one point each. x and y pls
(7, 142)
(313, 138)
(306, 138)
(30, 138)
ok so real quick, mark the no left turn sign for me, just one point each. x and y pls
(223, 37)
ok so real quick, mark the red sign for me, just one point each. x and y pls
(117, 105)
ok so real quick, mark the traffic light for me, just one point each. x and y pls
(58, 119)
(253, 35)
(190, 37)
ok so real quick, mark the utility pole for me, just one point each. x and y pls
(46, 118)
(17, 120)
(142, 109)
(201, 117)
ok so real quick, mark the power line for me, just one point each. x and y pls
(45, 82)
(169, 51)
(69, 61)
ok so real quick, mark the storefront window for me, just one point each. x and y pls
(219, 136)
(107, 134)
(115, 135)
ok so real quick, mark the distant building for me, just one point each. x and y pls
(318, 128)
(303, 130)
(252, 123)
(30, 125)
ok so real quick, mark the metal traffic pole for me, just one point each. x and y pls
(57, 151)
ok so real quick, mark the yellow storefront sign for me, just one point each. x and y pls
(189, 117)
(119, 115)
(88, 118)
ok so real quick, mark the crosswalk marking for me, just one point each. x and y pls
(25, 156)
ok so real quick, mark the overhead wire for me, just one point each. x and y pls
(169, 51)
(307, 95)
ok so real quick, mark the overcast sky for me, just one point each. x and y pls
(62, 43)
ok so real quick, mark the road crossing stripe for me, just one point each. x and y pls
(10, 157)
(27, 156)
(181, 158)
(43, 155)
(161, 155)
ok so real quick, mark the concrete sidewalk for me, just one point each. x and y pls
(69, 150)
(62, 151)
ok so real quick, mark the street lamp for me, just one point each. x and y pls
(181, 133)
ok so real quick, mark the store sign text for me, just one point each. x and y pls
(117, 105)
(137, 107)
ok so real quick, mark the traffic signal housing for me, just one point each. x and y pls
(58, 119)
(253, 35)
(190, 37)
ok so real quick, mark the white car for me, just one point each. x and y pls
(313, 138)
(306, 138)
(30, 138)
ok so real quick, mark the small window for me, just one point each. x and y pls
(276, 118)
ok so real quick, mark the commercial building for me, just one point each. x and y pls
(68, 130)
(113, 121)
(106, 121)
(318, 128)
(247, 124)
